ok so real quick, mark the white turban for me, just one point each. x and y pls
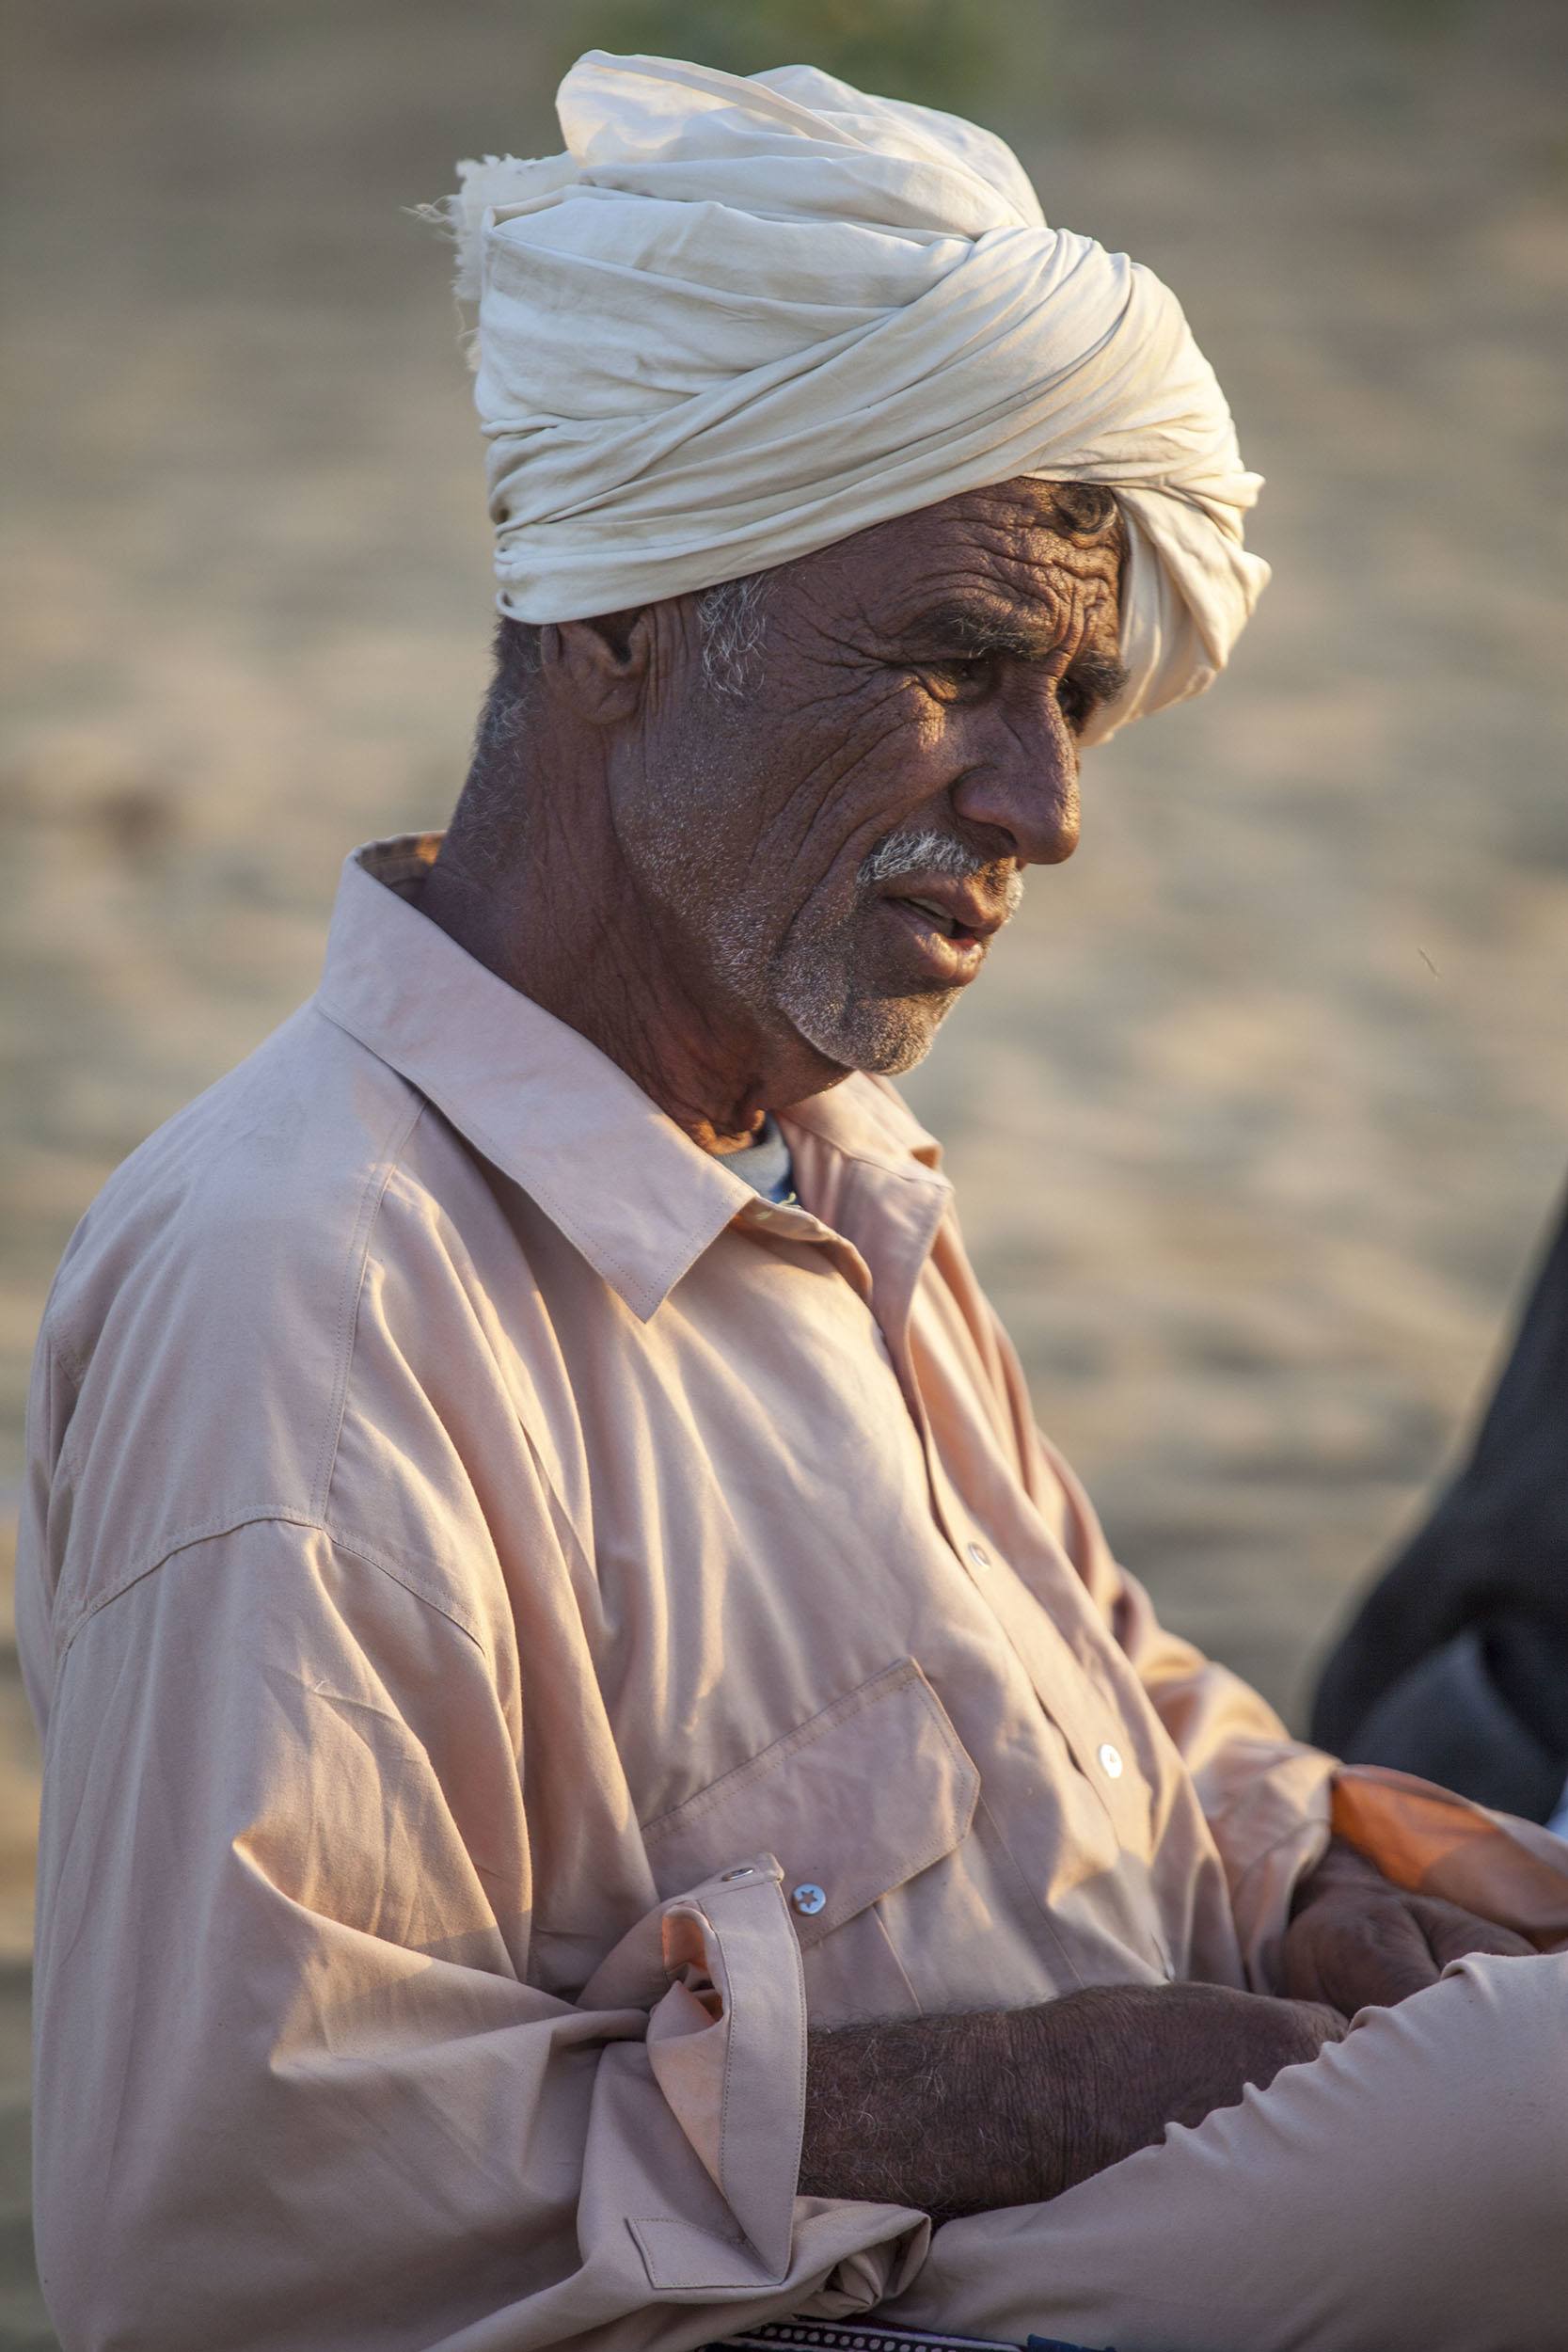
(741, 318)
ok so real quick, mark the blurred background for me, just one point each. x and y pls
(1260, 1110)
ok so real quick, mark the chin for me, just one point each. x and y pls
(882, 1037)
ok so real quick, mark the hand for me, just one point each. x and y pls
(1359, 1942)
(954, 2115)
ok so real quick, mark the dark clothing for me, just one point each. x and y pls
(1456, 1664)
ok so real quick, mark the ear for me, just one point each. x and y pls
(603, 665)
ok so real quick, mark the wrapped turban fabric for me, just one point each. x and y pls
(741, 318)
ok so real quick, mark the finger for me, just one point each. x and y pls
(1300, 1972)
(1453, 1934)
(1370, 1955)
(1397, 1958)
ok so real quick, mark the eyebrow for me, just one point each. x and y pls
(1098, 676)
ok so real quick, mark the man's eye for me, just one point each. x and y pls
(1073, 703)
(965, 674)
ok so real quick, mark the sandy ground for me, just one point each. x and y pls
(1260, 1111)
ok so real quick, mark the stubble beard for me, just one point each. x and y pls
(814, 977)
(813, 982)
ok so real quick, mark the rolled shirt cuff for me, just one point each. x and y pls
(719, 1971)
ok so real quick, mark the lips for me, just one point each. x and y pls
(953, 909)
(949, 926)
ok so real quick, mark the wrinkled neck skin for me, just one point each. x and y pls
(561, 917)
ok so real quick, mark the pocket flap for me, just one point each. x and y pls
(854, 1801)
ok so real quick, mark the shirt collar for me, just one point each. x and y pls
(635, 1195)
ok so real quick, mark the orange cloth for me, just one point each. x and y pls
(470, 1535)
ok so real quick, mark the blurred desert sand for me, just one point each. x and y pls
(1260, 1111)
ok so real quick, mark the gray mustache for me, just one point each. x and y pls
(925, 851)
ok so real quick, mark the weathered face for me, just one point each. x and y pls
(838, 845)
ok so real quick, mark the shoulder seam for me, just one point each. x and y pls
(190, 1537)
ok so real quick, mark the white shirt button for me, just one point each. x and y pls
(808, 1899)
(1110, 1760)
(980, 1556)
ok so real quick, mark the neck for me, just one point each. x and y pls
(560, 919)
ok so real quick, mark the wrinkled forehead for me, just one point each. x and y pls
(1020, 543)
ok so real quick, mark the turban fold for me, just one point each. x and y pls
(743, 317)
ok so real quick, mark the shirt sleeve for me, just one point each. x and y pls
(294, 2086)
(1272, 1803)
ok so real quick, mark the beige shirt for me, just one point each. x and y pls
(523, 1626)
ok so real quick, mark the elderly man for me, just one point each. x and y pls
(602, 1785)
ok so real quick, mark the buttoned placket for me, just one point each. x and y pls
(905, 1227)
(1072, 1700)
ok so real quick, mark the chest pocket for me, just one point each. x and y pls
(855, 1803)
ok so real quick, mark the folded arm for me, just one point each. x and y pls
(957, 2115)
(294, 2083)
(1316, 1917)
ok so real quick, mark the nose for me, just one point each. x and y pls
(1027, 788)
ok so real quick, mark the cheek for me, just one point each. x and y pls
(888, 758)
